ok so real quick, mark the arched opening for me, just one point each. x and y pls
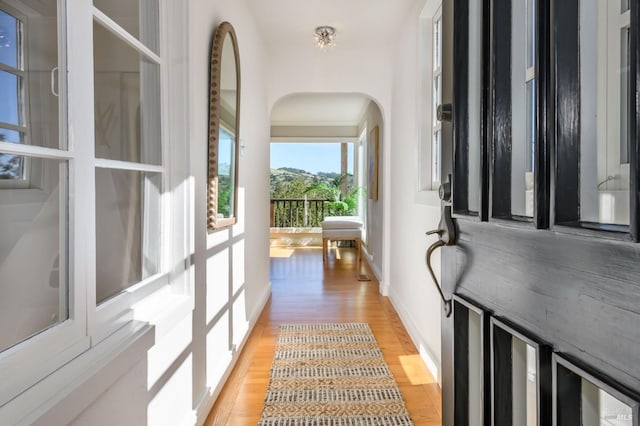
(325, 161)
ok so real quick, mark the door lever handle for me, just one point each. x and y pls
(447, 234)
(433, 247)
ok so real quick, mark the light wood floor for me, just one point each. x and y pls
(303, 291)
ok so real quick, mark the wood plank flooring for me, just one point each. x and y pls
(305, 291)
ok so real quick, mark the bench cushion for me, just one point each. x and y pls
(342, 222)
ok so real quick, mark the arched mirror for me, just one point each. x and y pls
(224, 123)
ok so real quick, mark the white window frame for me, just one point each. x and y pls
(426, 188)
(29, 364)
(30, 360)
(436, 98)
(19, 71)
(110, 315)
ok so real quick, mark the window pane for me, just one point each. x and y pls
(624, 5)
(11, 167)
(127, 101)
(33, 251)
(11, 136)
(9, 102)
(30, 100)
(437, 43)
(436, 156)
(127, 229)
(437, 96)
(475, 104)
(9, 39)
(531, 33)
(523, 98)
(140, 18)
(525, 383)
(625, 97)
(604, 121)
(599, 408)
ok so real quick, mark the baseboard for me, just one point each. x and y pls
(210, 396)
(432, 362)
(374, 268)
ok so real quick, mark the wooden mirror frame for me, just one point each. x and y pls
(215, 92)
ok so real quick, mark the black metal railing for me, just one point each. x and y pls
(297, 212)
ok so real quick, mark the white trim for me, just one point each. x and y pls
(123, 35)
(14, 127)
(303, 123)
(113, 313)
(62, 396)
(103, 163)
(426, 352)
(35, 151)
(328, 139)
(12, 70)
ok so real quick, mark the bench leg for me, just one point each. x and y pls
(358, 253)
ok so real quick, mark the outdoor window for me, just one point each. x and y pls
(81, 221)
(129, 170)
(430, 75)
(35, 298)
(33, 185)
(436, 130)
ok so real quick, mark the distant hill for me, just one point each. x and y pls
(287, 182)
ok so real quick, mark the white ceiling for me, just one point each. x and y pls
(287, 28)
(359, 24)
(335, 109)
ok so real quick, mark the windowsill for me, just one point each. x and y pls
(429, 198)
(64, 394)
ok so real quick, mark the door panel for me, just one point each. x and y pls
(577, 290)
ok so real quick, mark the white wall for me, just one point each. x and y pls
(231, 266)
(390, 79)
(375, 208)
(361, 71)
(412, 214)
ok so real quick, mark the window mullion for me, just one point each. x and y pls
(82, 211)
(12, 70)
(122, 34)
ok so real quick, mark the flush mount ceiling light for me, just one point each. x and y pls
(325, 36)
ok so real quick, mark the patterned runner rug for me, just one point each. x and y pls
(331, 375)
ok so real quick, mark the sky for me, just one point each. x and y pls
(311, 157)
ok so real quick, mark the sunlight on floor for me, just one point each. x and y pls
(416, 371)
(280, 252)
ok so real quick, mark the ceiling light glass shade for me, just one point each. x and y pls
(325, 36)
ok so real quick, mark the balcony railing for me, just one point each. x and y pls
(297, 212)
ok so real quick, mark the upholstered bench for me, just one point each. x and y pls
(342, 228)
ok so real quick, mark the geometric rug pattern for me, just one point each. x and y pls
(331, 375)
